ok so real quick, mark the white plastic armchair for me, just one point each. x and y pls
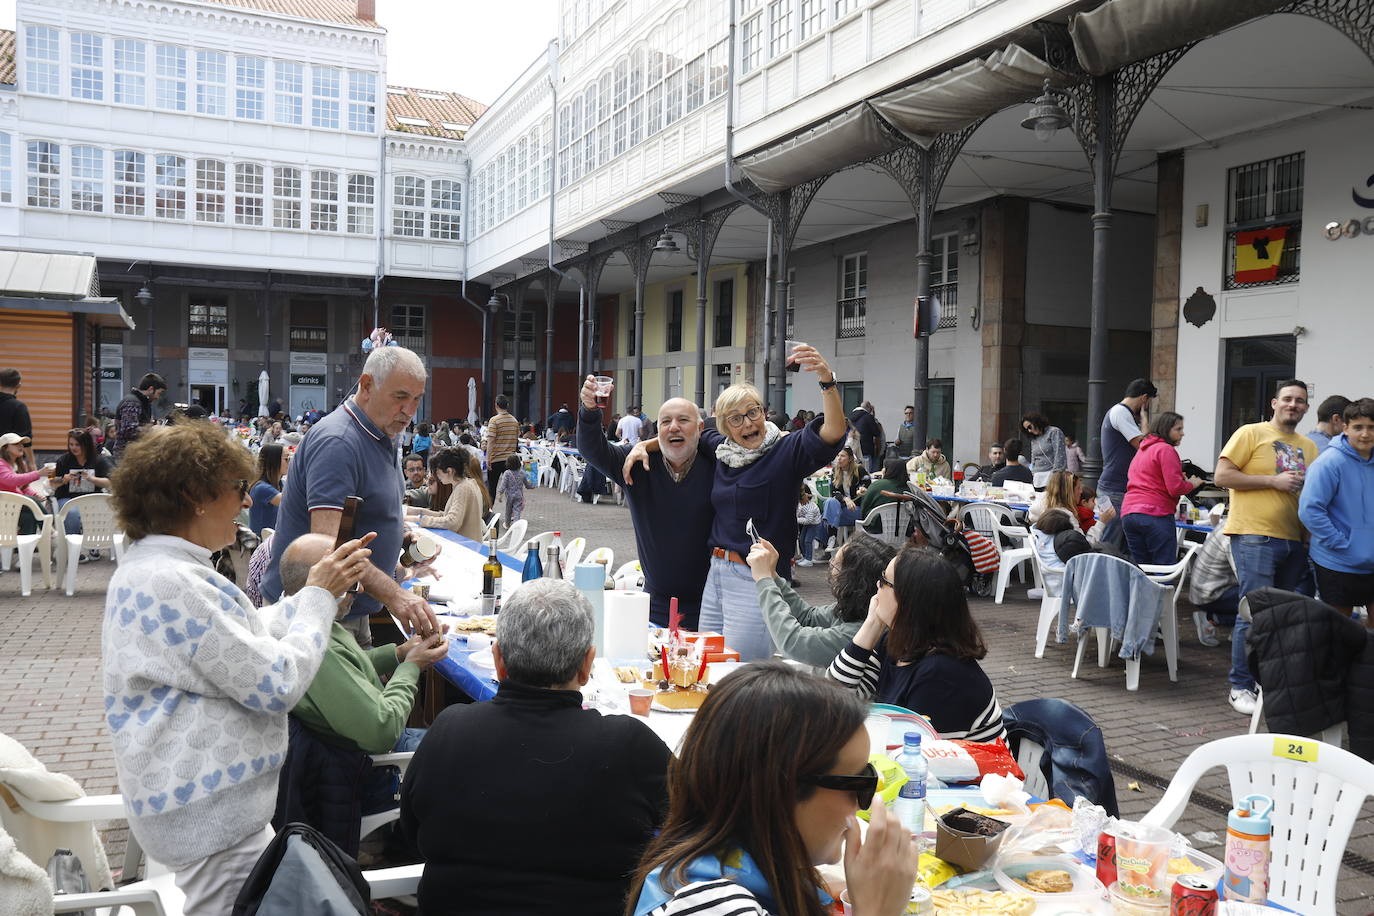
(572, 555)
(600, 554)
(98, 532)
(400, 760)
(891, 518)
(1166, 627)
(514, 536)
(26, 545)
(1316, 802)
(996, 522)
(629, 576)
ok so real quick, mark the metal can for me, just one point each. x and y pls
(1192, 896)
(1106, 858)
(921, 901)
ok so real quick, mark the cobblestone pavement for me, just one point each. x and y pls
(50, 697)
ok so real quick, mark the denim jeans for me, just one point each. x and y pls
(730, 605)
(1263, 561)
(1151, 538)
(73, 523)
(1111, 534)
(812, 534)
(838, 515)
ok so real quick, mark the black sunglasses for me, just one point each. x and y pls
(863, 786)
(242, 486)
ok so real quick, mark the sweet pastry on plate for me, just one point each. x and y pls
(1048, 881)
(982, 903)
(680, 699)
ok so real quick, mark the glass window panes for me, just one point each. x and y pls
(250, 88)
(171, 78)
(751, 44)
(6, 169)
(286, 198)
(324, 201)
(169, 178)
(408, 217)
(88, 66)
(445, 203)
(209, 191)
(209, 322)
(324, 102)
(212, 72)
(41, 62)
(248, 194)
(88, 179)
(130, 65)
(812, 18)
(779, 27)
(289, 86)
(44, 163)
(854, 276)
(362, 198)
(130, 182)
(362, 101)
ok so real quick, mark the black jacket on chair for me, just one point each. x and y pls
(1316, 667)
(321, 785)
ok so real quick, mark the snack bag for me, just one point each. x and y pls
(966, 762)
(932, 871)
(891, 778)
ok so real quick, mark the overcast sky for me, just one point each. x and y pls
(476, 47)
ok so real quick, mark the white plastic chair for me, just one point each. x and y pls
(1333, 735)
(98, 532)
(572, 555)
(629, 575)
(514, 535)
(995, 523)
(1166, 628)
(26, 545)
(1049, 607)
(1316, 803)
(602, 554)
(893, 519)
(400, 760)
(543, 539)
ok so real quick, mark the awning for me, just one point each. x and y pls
(849, 137)
(38, 281)
(1122, 31)
(961, 96)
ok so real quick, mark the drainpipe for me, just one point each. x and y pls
(381, 238)
(551, 293)
(741, 196)
(463, 293)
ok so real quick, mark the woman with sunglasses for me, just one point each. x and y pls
(919, 648)
(759, 472)
(198, 682)
(794, 749)
(1047, 450)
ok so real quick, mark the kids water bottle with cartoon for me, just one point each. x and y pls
(1247, 850)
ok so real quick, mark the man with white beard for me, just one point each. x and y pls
(670, 504)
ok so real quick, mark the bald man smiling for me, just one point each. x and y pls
(670, 504)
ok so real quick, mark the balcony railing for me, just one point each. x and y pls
(526, 349)
(851, 317)
(414, 342)
(309, 340)
(948, 294)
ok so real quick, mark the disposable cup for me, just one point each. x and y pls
(878, 728)
(641, 699)
(604, 384)
(1142, 861)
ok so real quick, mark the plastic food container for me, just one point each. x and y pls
(1124, 905)
(1087, 894)
(1211, 868)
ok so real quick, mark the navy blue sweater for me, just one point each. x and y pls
(672, 520)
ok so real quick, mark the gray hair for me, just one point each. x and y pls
(382, 360)
(544, 631)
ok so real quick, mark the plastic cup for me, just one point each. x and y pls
(604, 385)
(1142, 861)
(878, 728)
(641, 698)
(845, 903)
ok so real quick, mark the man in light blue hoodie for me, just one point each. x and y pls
(1337, 507)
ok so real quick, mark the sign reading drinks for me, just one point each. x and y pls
(313, 380)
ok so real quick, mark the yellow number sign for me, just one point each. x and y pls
(1296, 750)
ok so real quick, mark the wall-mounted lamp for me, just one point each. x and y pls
(1047, 115)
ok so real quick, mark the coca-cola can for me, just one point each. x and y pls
(1106, 858)
(1193, 896)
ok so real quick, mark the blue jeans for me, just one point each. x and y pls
(73, 523)
(380, 784)
(810, 534)
(1152, 539)
(1112, 533)
(1263, 561)
(730, 605)
(838, 515)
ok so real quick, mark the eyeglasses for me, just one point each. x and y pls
(242, 485)
(863, 786)
(739, 419)
(882, 581)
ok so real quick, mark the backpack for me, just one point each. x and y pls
(304, 873)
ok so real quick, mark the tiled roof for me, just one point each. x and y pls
(430, 112)
(7, 56)
(342, 11)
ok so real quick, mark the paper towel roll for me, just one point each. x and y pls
(627, 626)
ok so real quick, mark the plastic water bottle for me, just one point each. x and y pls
(911, 798)
(534, 569)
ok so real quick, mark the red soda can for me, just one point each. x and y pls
(1192, 896)
(1106, 858)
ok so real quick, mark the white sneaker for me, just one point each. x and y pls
(1244, 701)
(805, 562)
(1035, 593)
(1207, 633)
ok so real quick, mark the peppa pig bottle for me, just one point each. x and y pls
(1247, 850)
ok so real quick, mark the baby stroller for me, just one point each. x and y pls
(932, 529)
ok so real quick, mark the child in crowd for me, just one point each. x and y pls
(810, 524)
(512, 486)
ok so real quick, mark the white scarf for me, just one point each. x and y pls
(737, 456)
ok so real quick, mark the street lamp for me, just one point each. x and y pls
(145, 298)
(1047, 115)
(666, 243)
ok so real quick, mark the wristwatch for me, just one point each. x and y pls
(826, 386)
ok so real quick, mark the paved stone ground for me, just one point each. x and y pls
(50, 697)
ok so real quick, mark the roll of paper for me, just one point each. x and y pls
(627, 625)
(590, 580)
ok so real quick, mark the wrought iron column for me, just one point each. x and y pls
(518, 309)
(708, 230)
(787, 209)
(550, 297)
(639, 252)
(1103, 90)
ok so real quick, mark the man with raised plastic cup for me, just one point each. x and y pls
(670, 505)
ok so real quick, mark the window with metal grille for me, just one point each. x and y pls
(130, 182)
(408, 214)
(212, 73)
(309, 326)
(791, 320)
(169, 180)
(88, 179)
(324, 201)
(408, 326)
(286, 198)
(289, 92)
(944, 277)
(248, 194)
(130, 65)
(171, 78)
(45, 174)
(852, 307)
(1263, 209)
(324, 102)
(42, 60)
(674, 321)
(362, 198)
(362, 101)
(250, 88)
(724, 327)
(210, 180)
(88, 66)
(209, 322)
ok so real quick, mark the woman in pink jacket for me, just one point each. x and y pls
(1154, 483)
(15, 475)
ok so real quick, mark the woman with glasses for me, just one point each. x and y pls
(198, 682)
(1047, 449)
(815, 635)
(919, 648)
(794, 749)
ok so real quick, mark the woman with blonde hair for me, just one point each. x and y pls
(1062, 492)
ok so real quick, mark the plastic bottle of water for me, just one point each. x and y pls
(911, 798)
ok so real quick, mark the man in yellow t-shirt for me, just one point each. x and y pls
(1263, 465)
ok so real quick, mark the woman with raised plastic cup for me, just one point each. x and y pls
(771, 773)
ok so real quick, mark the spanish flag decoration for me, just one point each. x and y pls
(1257, 254)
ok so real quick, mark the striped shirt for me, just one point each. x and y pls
(721, 897)
(503, 434)
(955, 695)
